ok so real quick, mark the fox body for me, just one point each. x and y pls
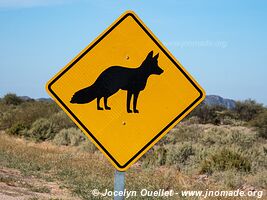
(114, 78)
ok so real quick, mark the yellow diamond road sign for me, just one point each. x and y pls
(125, 91)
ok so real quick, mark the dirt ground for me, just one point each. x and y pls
(15, 186)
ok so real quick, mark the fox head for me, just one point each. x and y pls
(151, 64)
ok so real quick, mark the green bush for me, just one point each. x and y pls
(155, 157)
(26, 113)
(42, 129)
(61, 121)
(215, 135)
(87, 146)
(31, 111)
(247, 110)
(160, 155)
(69, 137)
(12, 99)
(216, 114)
(179, 154)
(226, 160)
(260, 122)
(183, 133)
(244, 138)
(191, 120)
(18, 129)
(227, 120)
(209, 113)
(7, 119)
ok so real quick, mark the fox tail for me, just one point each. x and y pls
(84, 95)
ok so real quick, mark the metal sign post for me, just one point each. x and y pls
(119, 185)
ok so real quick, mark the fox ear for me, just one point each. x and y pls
(156, 56)
(150, 55)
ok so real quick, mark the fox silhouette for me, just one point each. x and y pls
(114, 78)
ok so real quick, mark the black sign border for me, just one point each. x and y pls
(91, 47)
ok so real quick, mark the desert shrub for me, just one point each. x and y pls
(230, 178)
(154, 157)
(260, 122)
(3, 107)
(69, 137)
(216, 114)
(243, 137)
(61, 121)
(160, 155)
(208, 140)
(36, 110)
(191, 120)
(257, 155)
(260, 179)
(18, 129)
(208, 113)
(26, 113)
(12, 99)
(179, 154)
(215, 135)
(183, 133)
(88, 146)
(224, 160)
(247, 110)
(7, 119)
(42, 129)
(227, 120)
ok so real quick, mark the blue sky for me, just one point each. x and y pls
(222, 44)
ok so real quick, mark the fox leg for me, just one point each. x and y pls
(106, 103)
(129, 96)
(98, 104)
(135, 102)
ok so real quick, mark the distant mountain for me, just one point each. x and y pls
(44, 99)
(217, 100)
(26, 98)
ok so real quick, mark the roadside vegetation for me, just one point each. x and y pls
(214, 148)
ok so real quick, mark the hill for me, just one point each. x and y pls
(218, 100)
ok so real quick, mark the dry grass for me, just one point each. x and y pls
(81, 171)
